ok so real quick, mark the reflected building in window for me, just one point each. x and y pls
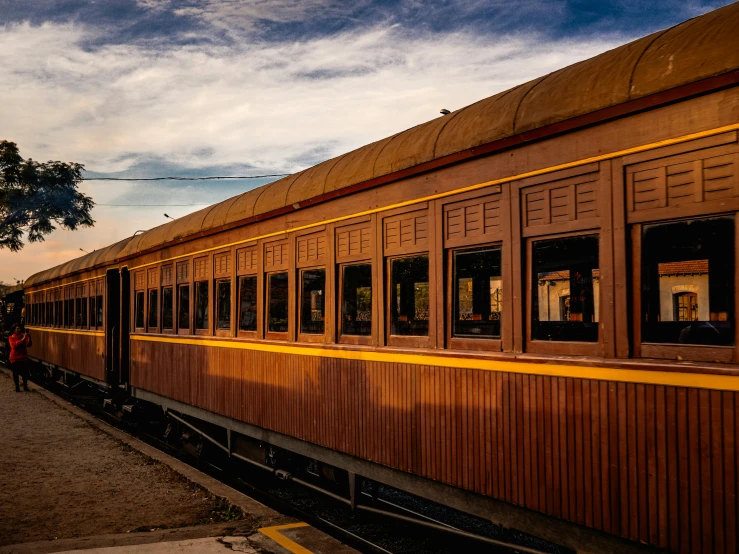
(555, 296)
(684, 292)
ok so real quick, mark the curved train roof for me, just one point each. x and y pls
(699, 48)
(102, 257)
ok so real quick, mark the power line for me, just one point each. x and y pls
(151, 205)
(212, 178)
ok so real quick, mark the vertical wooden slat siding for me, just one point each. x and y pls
(651, 463)
(83, 353)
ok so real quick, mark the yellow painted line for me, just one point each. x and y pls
(274, 534)
(67, 331)
(649, 377)
(534, 173)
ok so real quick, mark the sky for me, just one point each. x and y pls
(152, 88)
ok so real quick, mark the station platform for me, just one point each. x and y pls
(71, 483)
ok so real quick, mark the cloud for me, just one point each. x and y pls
(261, 101)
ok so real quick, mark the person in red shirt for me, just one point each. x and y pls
(19, 343)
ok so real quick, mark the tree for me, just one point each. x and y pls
(35, 196)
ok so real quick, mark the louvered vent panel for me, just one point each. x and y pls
(472, 220)
(201, 268)
(275, 254)
(166, 275)
(720, 177)
(562, 200)
(139, 280)
(247, 260)
(586, 199)
(183, 272)
(536, 208)
(311, 248)
(354, 241)
(407, 230)
(222, 264)
(701, 176)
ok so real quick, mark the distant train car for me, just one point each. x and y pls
(11, 314)
(525, 309)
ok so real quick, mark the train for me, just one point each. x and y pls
(524, 309)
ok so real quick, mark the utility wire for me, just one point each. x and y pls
(184, 178)
(153, 205)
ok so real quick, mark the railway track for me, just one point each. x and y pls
(384, 520)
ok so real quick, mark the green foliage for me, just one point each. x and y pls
(35, 196)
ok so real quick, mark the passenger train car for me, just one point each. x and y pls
(525, 309)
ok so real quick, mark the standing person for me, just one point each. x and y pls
(19, 343)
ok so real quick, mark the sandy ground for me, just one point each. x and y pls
(62, 478)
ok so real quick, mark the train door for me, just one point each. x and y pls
(112, 326)
(124, 324)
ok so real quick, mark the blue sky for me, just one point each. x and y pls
(145, 88)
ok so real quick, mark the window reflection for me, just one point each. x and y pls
(167, 308)
(313, 288)
(153, 309)
(688, 282)
(409, 290)
(223, 294)
(201, 305)
(478, 293)
(139, 308)
(566, 289)
(356, 301)
(277, 306)
(248, 303)
(183, 307)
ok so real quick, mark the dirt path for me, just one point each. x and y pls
(61, 478)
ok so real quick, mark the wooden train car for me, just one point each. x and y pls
(525, 309)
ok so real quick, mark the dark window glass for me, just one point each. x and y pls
(248, 303)
(78, 312)
(409, 296)
(277, 307)
(167, 308)
(58, 314)
(313, 291)
(153, 309)
(566, 289)
(223, 304)
(356, 299)
(183, 308)
(139, 307)
(100, 311)
(93, 308)
(67, 312)
(477, 293)
(201, 305)
(688, 282)
(49, 313)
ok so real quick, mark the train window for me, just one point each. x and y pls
(248, 303)
(312, 294)
(409, 296)
(223, 305)
(201, 305)
(356, 299)
(167, 309)
(93, 309)
(139, 309)
(58, 313)
(277, 285)
(688, 282)
(565, 289)
(67, 309)
(99, 311)
(153, 309)
(477, 293)
(183, 308)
